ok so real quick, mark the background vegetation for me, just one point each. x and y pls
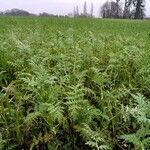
(127, 9)
(74, 84)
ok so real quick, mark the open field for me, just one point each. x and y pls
(74, 84)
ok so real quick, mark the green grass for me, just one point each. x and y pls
(74, 84)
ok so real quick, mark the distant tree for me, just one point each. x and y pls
(74, 12)
(70, 15)
(61, 16)
(44, 14)
(81, 15)
(34, 15)
(17, 12)
(77, 11)
(117, 4)
(85, 9)
(1, 13)
(111, 10)
(92, 9)
(127, 6)
(139, 9)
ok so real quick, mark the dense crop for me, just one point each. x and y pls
(74, 84)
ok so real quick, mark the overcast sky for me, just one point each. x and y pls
(60, 7)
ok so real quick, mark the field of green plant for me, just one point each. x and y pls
(74, 84)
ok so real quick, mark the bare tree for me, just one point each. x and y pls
(74, 12)
(77, 11)
(92, 9)
(85, 9)
(111, 10)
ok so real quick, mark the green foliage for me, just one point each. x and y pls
(94, 138)
(72, 84)
(2, 142)
(141, 112)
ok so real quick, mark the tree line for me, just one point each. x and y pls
(21, 12)
(16, 12)
(85, 12)
(132, 9)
